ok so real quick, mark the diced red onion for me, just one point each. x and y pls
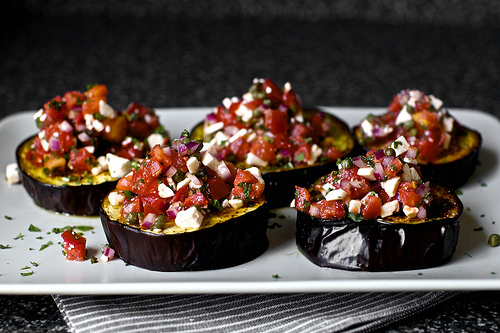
(231, 130)
(422, 212)
(345, 184)
(325, 126)
(285, 152)
(314, 211)
(283, 107)
(182, 149)
(422, 190)
(108, 252)
(148, 221)
(192, 146)
(77, 107)
(387, 160)
(194, 179)
(167, 151)
(173, 210)
(223, 171)
(54, 144)
(80, 127)
(211, 118)
(65, 126)
(171, 171)
(378, 171)
(379, 154)
(411, 153)
(357, 161)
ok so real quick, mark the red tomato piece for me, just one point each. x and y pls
(80, 160)
(264, 149)
(74, 245)
(332, 209)
(302, 199)
(372, 207)
(196, 199)
(276, 121)
(217, 188)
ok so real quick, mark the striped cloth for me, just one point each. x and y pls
(317, 312)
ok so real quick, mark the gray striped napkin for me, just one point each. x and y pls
(317, 312)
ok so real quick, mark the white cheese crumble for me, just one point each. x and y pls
(193, 164)
(116, 198)
(355, 207)
(12, 173)
(164, 191)
(214, 127)
(367, 127)
(106, 110)
(436, 102)
(209, 160)
(400, 145)
(316, 152)
(389, 208)
(410, 211)
(189, 218)
(367, 172)
(155, 139)
(256, 173)
(252, 159)
(338, 194)
(118, 166)
(404, 116)
(391, 186)
(235, 203)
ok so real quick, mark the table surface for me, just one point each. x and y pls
(176, 63)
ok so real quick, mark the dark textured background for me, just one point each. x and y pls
(195, 53)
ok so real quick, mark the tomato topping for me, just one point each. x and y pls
(81, 160)
(74, 245)
(372, 207)
(302, 199)
(217, 188)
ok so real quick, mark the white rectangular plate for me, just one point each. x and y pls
(475, 265)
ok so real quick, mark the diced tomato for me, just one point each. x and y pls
(240, 148)
(372, 207)
(73, 98)
(429, 146)
(132, 205)
(276, 121)
(395, 106)
(90, 106)
(158, 154)
(217, 188)
(81, 160)
(302, 199)
(196, 199)
(74, 245)
(154, 204)
(298, 132)
(115, 129)
(318, 124)
(264, 149)
(126, 183)
(97, 92)
(332, 154)
(181, 194)
(272, 91)
(332, 209)
(55, 110)
(292, 99)
(301, 154)
(393, 168)
(143, 121)
(246, 186)
(426, 120)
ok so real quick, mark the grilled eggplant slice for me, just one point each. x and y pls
(384, 244)
(226, 238)
(281, 181)
(461, 158)
(78, 196)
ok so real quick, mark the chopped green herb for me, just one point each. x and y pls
(27, 274)
(482, 215)
(26, 267)
(34, 263)
(355, 217)
(3, 247)
(300, 157)
(39, 237)
(247, 188)
(458, 192)
(276, 276)
(484, 184)
(420, 274)
(33, 228)
(478, 229)
(93, 260)
(20, 236)
(8, 217)
(43, 247)
(129, 194)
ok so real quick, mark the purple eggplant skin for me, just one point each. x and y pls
(454, 169)
(226, 244)
(280, 182)
(82, 200)
(383, 245)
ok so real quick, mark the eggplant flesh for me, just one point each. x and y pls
(390, 244)
(454, 168)
(224, 240)
(281, 181)
(58, 196)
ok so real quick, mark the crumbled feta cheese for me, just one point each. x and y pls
(155, 139)
(116, 198)
(292, 204)
(327, 187)
(316, 152)
(256, 173)
(414, 174)
(355, 207)
(45, 144)
(90, 149)
(118, 166)
(404, 116)
(227, 102)
(98, 126)
(106, 110)
(299, 116)
(38, 114)
(164, 191)
(448, 123)
(189, 218)
(400, 145)
(251, 137)
(41, 134)
(214, 127)
(253, 159)
(103, 162)
(184, 182)
(338, 194)
(391, 186)
(447, 140)
(96, 170)
(209, 160)
(410, 211)
(287, 87)
(225, 203)
(221, 139)
(367, 172)
(12, 173)
(244, 112)
(241, 133)
(436, 102)
(236, 203)
(367, 127)
(389, 208)
(193, 164)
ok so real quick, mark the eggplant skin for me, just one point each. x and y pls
(73, 200)
(380, 245)
(452, 170)
(280, 182)
(227, 243)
